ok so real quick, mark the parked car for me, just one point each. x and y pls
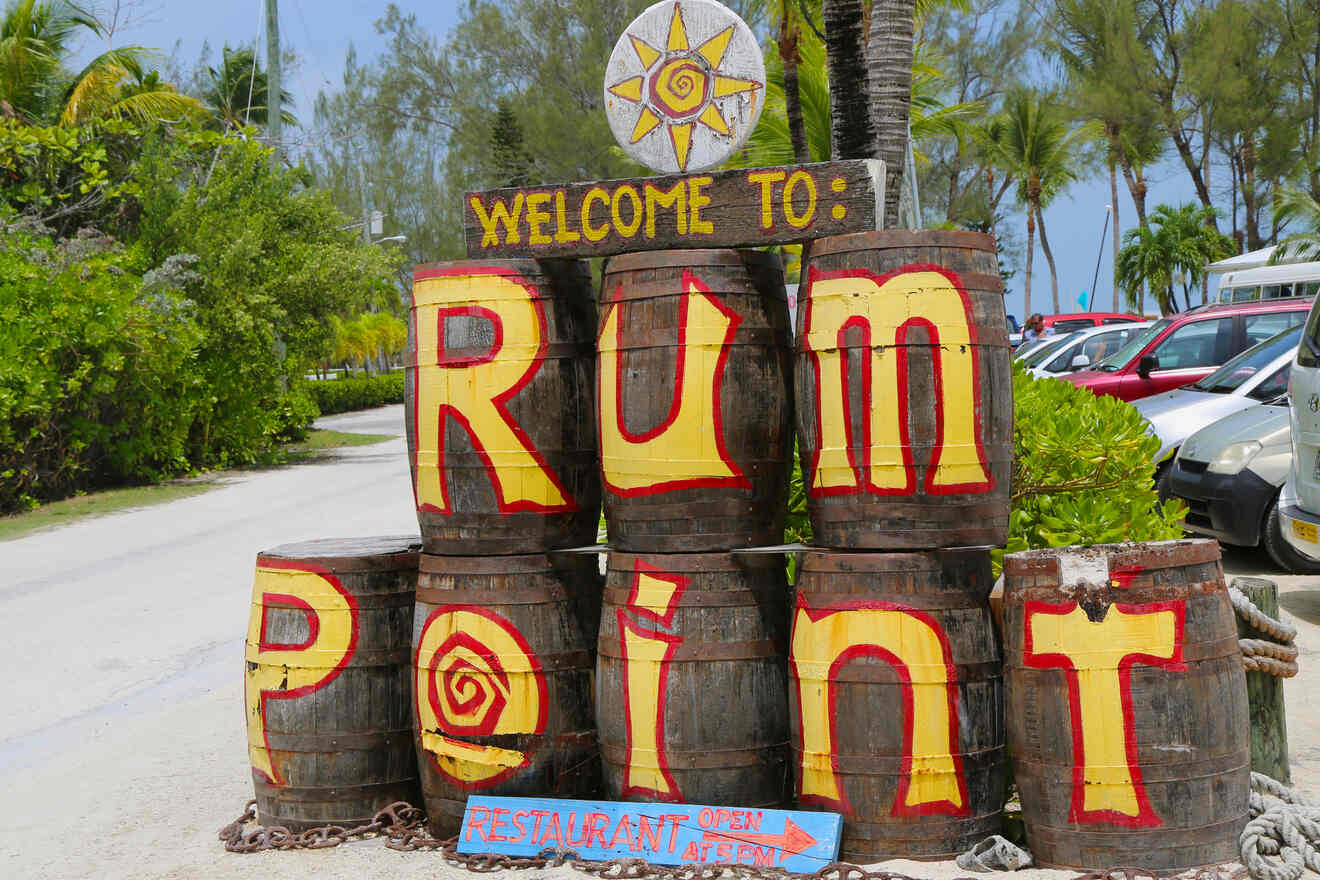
(1081, 320)
(1230, 474)
(1299, 503)
(1086, 347)
(1035, 352)
(1270, 282)
(1257, 376)
(1184, 348)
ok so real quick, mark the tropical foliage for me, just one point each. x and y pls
(1173, 249)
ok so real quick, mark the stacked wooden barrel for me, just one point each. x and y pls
(329, 715)
(904, 424)
(1127, 705)
(695, 435)
(499, 410)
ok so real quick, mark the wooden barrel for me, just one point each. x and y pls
(499, 384)
(896, 698)
(1127, 705)
(690, 699)
(695, 406)
(327, 680)
(904, 392)
(503, 659)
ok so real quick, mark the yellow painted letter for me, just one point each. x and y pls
(1098, 658)
(498, 215)
(686, 450)
(279, 670)
(913, 643)
(885, 308)
(473, 388)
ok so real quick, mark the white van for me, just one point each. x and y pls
(1299, 502)
(1270, 282)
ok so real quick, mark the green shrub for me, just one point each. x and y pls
(96, 376)
(357, 392)
(1082, 470)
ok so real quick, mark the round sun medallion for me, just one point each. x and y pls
(684, 86)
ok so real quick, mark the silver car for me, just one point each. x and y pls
(1257, 376)
(1230, 474)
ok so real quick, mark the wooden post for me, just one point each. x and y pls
(1269, 726)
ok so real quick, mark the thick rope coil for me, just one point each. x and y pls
(1279, 843)
(1258, 619)
(1262, 655)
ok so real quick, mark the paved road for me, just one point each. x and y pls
(122, 741)
(123, 652)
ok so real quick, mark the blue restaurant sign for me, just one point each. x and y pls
(664, 834)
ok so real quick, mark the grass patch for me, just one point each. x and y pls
(320, 441)
(59, 513)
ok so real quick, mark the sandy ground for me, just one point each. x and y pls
(122, 744)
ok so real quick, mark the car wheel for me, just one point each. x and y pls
(1283, 553)
(1164, 480)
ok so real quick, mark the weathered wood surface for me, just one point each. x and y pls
(879, 475)
(695, 425)
(754, 207)
(540, 618)
(1180, 798)
(344, 750)
(685, 86)
(871, 698)
(474, 507)
(721, 721)
(1269, 723)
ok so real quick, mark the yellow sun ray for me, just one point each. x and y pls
(713, 49)
(646, 53)
(681, 137)
(678, 40)
(712, 119)
(629, 89)
(646, 124)
(728, 85)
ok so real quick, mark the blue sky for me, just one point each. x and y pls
(320, 32)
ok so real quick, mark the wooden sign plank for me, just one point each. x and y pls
(662, 834)
(744, 208)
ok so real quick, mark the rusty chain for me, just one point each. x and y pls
(404, 827)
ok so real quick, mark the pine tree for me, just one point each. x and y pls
(511, 164)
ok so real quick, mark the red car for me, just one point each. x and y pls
(1188, 346)
(1084, 320)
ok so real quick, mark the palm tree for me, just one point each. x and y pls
(1297, 205)
(36, 88)
(34, 41)
(889, 53)
(1031, 140)
(851, 132)
(115, 86)
(1175, 247)
(237, 92)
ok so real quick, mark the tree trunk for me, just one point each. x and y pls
(1113, 197)
(1193, 166)
(851, 135)
(1031, 247)
(889, 70)
(1049, 258)
(788, 54)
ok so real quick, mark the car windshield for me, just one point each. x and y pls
(1231, 375)
(1053, 345)
(1120, 359)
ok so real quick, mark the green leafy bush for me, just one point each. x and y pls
(357, 392)
(96, 377)
(1082, 471)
